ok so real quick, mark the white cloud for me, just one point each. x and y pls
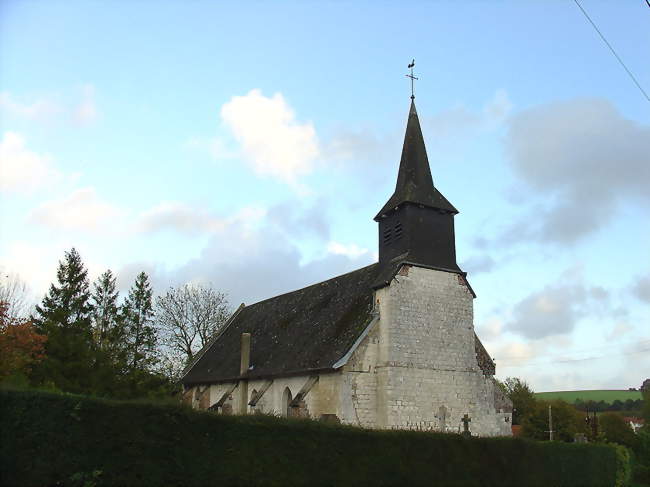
(498, 108)
(641, 288)
(33, 263)
(620, 329)
(42, 109)
(77, 108)
(177, 216)
(512, 354)
(189, 220)
(272, 140)
(551, 311)
(81, 210)
(554, 363)
(85, 113)
(254, 263)
(477, 264)
(301, 221)
(459, 120)
(584, 159)
(351, 251)
(491, 329)
(22, 170)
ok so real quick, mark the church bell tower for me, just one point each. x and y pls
(417, 222)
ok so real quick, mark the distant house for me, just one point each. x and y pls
(635, 423)
(391, 345)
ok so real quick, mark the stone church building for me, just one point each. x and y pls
(390, 345)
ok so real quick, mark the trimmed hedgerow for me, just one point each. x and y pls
(55, 439)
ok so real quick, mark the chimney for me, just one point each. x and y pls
(243, 370)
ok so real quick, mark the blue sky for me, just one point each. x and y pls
(249, 145)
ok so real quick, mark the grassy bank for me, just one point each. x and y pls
(53, 439)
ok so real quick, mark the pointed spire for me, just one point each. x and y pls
(414, 181)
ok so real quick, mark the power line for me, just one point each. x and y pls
(612, 49)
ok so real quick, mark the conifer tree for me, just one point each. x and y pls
(64, 317)
(110, 337)
(106, 322)
(137, 313)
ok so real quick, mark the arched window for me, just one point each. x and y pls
(253, 398)
(286, 402)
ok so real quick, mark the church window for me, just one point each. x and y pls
(286, 402)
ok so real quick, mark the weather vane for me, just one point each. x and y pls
(413, 78)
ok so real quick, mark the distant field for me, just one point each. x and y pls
(603, 395)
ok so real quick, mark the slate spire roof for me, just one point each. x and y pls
(414, 181)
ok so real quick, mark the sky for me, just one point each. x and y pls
(248, 145)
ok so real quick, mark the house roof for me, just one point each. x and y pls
(414, 181)
(303, 331)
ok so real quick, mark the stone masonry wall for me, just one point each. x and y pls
(359, 383)
(323, 398)
(427, 373)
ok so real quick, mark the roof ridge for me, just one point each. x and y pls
(310, 285)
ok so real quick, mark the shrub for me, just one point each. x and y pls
(63, 439)
(617, 430)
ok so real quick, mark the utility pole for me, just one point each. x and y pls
(550, 423)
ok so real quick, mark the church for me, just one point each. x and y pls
(391, 345)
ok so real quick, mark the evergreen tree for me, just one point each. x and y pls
(110, 338)
(105, 313)
(65, 318)
(137, 313)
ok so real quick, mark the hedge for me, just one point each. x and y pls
(58, 439)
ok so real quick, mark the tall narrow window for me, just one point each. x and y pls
(286, 402)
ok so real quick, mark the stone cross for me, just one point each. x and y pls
(442, 416)
(466, 420)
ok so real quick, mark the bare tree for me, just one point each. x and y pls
(187, 318)
(14, 292)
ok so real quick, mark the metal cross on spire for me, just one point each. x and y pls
(413, 78)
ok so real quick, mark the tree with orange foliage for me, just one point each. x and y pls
(20, 344)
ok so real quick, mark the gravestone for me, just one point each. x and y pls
(466, 420)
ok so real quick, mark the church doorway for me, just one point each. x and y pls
(286, 402)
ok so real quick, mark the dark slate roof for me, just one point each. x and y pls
(485, 362)
(414, 181)
(310, 329)
(307, 329)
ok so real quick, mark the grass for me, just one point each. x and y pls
(608, 396)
